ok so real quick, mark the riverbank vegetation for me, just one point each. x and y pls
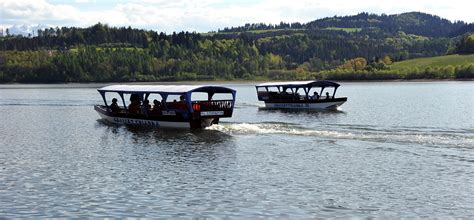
(339, 48)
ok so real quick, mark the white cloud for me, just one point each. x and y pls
(206, 15)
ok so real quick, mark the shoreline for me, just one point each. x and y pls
(236, 82)
(233, 81)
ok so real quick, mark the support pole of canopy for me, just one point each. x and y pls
(306, 90)
(123, 100)
(164, 96)
(103, 97)
(209, 96)
(233, 99)
(188, 102)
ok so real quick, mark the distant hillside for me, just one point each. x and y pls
(465, 45)
(417, 23)
(411, 23)
(440, 61)
(359, 47)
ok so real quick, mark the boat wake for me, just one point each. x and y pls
(448, 138)
(248, 104)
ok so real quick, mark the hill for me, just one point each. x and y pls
(411, 23)
(416, 23)
(440, 61)
(362, 44)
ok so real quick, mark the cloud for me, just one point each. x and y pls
(207, 15)
(21, 10)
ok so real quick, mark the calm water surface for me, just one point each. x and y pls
(402, 149)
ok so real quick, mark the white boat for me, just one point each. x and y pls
(189, 112)
(300, 95)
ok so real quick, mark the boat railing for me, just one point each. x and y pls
(179, 107)
(214, 105)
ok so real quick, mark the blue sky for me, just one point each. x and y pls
(209, 15)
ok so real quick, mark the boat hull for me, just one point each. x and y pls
(143, 122)
(310, 105)
(189, 124)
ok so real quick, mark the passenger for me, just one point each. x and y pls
(134, 107)
(114, 106)
(315, 96)
(296, 96)
(146, 107)
(174, 104)
(327, 95)
(163, 105)
(181, 104)
(156, 107)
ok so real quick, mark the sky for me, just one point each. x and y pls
(210, 15)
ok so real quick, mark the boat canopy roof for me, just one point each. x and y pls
(165, 89)
(299, 84)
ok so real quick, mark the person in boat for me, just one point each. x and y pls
(156, 107)
(173, 105)
(114, 106)
(134, 107)
(181, 104)
(146, 107)
(327, 95)
(164, 105)
(315, 96)
(296, 96)
(280, 95)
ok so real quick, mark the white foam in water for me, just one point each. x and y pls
(464, 141)
(248, 128)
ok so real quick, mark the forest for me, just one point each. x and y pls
(359, 47)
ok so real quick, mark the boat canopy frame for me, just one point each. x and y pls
(305, 85)
(143, 92)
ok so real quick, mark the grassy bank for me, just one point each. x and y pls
(441, 61)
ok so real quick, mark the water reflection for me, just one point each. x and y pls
(167, 135)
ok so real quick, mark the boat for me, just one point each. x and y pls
(199, 106)
(300, 95)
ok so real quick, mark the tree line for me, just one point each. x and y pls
(102, 53)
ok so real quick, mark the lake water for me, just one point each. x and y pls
(403, 149)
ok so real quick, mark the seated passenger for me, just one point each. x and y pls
(327, 95)
(181, 104)
(114, 106)
(315, 96)
(134, 107)
(296, 96)
(164, 105)
(173, 105)
(146, 107)
(156, 107)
